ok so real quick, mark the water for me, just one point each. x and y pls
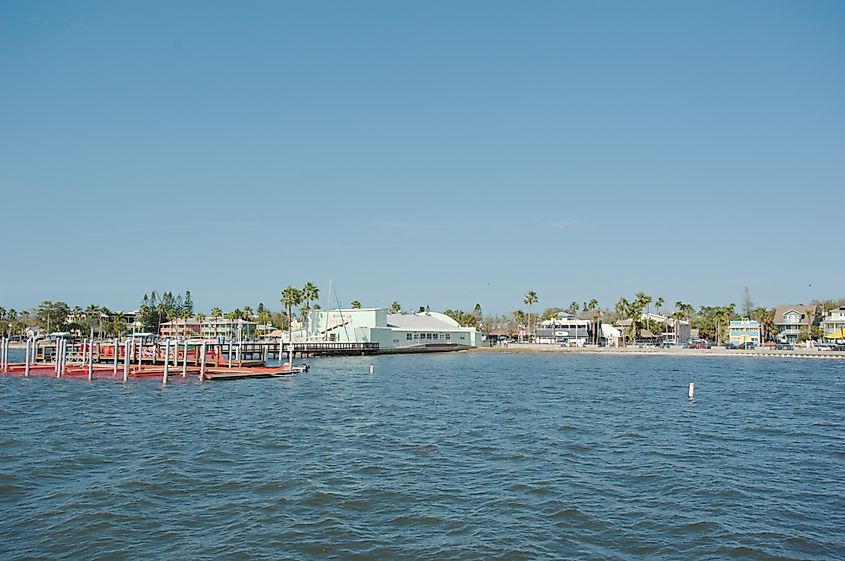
(459, 456)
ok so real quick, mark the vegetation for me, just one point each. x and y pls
(530, 299)
(291, 297)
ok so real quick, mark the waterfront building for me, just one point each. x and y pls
(229, 329)
(745, 331)
(789, 321)
(399, 332)
(833, 324)
(565, 329)
(181, 328)
(658, 329)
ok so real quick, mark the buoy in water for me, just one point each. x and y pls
(372, 368)
(691, 390)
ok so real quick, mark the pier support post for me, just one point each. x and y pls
(28, 353)
(291, 353)
(91, 360)
(185, 361)
(60, 351)
(140, 354)
(166, 361)
(202, 361)
(127, 357)
(116, 354)
(281, 350)
(229, 354)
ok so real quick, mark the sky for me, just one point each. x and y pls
(437, 154)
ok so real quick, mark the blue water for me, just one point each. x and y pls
(458, 456)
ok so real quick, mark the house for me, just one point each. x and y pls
(833, 324)
(229, 329)
(789, 321)
(745, 331)
(180, 328)
(565, 329)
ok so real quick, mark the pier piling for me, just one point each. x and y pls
(27, 358)
(185, 360)
(166, 361)
(202, 362)
(126, 358)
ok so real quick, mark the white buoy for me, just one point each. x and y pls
(691, 390)
(372, 368)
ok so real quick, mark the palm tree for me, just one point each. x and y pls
(248, 315)
(310, 293)
(659, 304)
(395, 308)
(530, 298)
(291, 297)
(573, 307)
(356, 305)
(621, 309)
(216, 312)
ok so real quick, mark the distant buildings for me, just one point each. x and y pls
(745, 331)
(209, 328)
(789, 320)
(658, 329)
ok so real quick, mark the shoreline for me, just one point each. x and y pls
(536, 348)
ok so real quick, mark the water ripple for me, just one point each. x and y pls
(445, 457)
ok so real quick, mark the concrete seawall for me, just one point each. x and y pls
(654, 351)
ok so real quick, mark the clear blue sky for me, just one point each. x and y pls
(434, 153)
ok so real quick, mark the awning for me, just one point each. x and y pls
(840, 334)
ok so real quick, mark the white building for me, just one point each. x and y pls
(565, 329)
(229, 329)
(399, 332)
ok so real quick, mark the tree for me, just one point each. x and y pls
(52, 316)
(187, 306)
(659, 304)
(573, 307)
(395, 308)
(216, 312)
(356, 305)
(747, 304)
(310, 293)
(530, 299)
(248, 315)
(291, 297)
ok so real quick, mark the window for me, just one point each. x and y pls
(448, 337)
(408, 336)
(428, 336)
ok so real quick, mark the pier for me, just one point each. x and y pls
(132, 358)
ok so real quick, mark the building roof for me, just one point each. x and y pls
(781, 311)
(426, 320)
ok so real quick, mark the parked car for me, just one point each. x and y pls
(747, 346)
(668, 344)
(784, 346)
(731, 346)
(825, 347)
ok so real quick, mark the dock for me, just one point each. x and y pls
(130, 358)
